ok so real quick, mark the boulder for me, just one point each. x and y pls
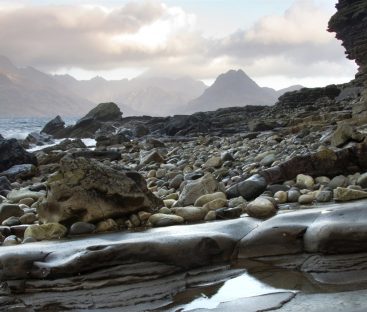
(248, 189)
(108, 225)
(196, 188)
(215, 204)
(346, 194)
(108, 139)
(140, 130)
(9, 210)
(306, 199)
(256, 125)
(161, 219)
(89, 191)
(261, 208)
(190, 213)
(82, 228)
(65, 145)
(305, 181)
(362, 180)
(24, 171)
(45, 231)
(202, 200)
(97, 118)
(228, 213)
(214, 162)
(12, 153)
(345, 133)
(104, 112)
(28, 218)
(39, 139)
(151, 157)
(324, 196)
(54, 127)
(5, 186)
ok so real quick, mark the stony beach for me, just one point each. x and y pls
(163, 204)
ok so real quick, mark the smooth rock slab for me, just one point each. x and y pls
(340, 231)
(280, 235)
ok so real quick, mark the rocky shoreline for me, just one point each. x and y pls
(163, 204)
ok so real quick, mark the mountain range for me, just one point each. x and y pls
(28, 92)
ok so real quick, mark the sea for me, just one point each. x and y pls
(19, 128)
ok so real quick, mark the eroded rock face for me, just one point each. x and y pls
(86, 190)
(350, 23)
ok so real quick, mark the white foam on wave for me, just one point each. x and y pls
(90, 143)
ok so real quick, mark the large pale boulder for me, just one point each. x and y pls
(45, 231)
(86, 190)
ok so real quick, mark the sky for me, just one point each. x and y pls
(278, 43)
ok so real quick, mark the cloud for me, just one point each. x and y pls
(165, 39)
(89, 36)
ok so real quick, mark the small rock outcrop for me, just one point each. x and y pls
(12, 153)
(54, 126)
(86, 190)
(87, 126)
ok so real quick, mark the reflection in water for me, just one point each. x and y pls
(239, 287)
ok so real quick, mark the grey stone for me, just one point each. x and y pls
(161, 219)
(261, 208)
(9, 210)
(81, 228)
(11, 221)
(191, 214)
(324, 196)
(293, 194)
(194, 189)
(248, 189)
(28, 218)
(11, 240)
